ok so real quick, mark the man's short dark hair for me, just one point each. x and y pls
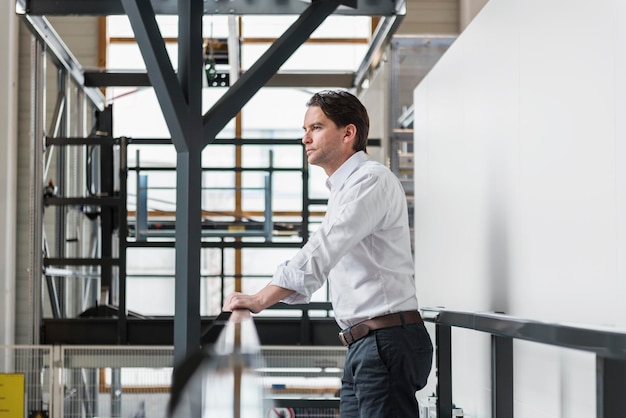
(344, 108)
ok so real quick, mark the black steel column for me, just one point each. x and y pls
(187, 324)
(122, 235)
(501, 376)
(181, 101)
(443, 339)
(610, 384)
(104, 124)
(306, 204)
(188, 251)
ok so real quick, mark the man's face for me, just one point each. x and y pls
(326, 144)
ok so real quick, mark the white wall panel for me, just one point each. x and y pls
(616, 298)
(520, 188)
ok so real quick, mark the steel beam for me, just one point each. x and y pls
(181, 101)
(160, 71)
(190, 57)
(37, 116)
(210, 7)
(610, 383)
(443, 361)
(501, 376)
(160, 331)
(108, 78)
(187, 322)
(188, 253)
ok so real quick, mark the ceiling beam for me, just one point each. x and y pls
(211, 7)
(166, 84)
(115, 78)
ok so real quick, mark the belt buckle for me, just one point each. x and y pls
(344, 340)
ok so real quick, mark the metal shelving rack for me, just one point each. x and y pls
(106, 203)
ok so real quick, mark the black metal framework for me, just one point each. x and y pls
(117, 326)
(305, 330)
(214, 7)
(110, 78)
(112, 212)
(180, 100)
(179, 95)
(608, 346)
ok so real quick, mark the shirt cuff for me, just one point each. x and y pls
(294, 280)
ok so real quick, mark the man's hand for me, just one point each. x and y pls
(267, 296)
(240, 301)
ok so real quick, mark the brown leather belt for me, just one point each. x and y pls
(362, 329)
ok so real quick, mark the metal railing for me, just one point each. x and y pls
(234, 376)
(608, 346)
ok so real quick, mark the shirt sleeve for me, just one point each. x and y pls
(355, 214)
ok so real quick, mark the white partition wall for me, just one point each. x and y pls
(520, 194)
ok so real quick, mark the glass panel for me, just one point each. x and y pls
(127, 56)
(119, 26)
(287, 191)
(333, 27)
(311, 57)
(137, 114)
(278, 112)
(287, 156)
(214, 26)
(216, 155)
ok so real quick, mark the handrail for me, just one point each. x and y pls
(609, 346)
(602, 341)
(227, 375)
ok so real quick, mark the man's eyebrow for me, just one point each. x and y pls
(317, 122)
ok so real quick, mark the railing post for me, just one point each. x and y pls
(610, 384)
(443, 339)
(501, 377)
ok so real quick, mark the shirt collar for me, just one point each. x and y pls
(344, 171)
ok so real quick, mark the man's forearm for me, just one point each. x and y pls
(272, 294)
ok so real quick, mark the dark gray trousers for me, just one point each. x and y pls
(383, 371)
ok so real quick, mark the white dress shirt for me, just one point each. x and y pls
(362, 247)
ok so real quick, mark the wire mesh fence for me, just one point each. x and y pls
(31, 368)
(116, 381)
(303, 375)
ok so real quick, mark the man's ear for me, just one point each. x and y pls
(350, 132)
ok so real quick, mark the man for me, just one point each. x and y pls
(363, 249)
